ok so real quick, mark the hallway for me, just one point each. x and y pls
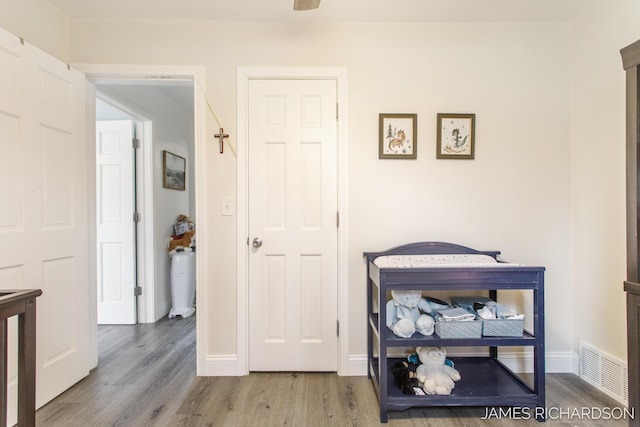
(143, 372)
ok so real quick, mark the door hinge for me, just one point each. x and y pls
(337, 328)
(337, 219)
(337, 115)
(136, 143)
(136, 217)
(137, 291)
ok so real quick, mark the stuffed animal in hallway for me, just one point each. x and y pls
(182, 225)
(403, 314)
(435, 376)
(404, 374)
(186, 242)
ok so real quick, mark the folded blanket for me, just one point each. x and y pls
(457, 314)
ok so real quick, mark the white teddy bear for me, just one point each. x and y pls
(404, 317)
(435, 376)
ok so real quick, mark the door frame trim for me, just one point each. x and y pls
(244, 75)
(147, 73)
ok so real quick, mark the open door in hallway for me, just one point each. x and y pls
(115, 223)
(44, 222)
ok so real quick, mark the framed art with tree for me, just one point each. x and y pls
(398, 136)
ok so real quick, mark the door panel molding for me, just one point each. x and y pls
(115, 226)
(292, 206)
(42, 120)
(244, 75)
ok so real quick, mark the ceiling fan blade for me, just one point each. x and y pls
(305, 4)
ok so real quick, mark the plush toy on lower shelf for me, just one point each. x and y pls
(404, 374)
(434, 374)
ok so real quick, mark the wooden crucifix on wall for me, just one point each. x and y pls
(221, 136)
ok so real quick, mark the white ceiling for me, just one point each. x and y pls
(330, 10)
(144, 97)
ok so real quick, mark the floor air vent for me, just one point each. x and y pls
(604, 371)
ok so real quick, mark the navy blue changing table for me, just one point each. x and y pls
(486, 381)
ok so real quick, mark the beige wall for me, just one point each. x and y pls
(546, 187)
(38, 23)
(598, 173)
(514, 197)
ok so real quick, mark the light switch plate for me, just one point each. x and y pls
(227, 206)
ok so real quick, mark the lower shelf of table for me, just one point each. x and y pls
(485, 382)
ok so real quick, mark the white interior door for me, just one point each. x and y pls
(115, 225)
(43, 221)
(292, 220)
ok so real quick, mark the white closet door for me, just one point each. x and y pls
(292, 212)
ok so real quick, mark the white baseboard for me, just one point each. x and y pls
(555, 363)
(521, 362)
(229, 366)
(563, 362)
(162, 311)
(224, 365)
(356, 366)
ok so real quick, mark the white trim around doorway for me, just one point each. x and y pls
(149, 73)
(239, 364)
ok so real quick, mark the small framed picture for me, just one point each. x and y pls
(174, 171)
(398, 136)
(456, 136)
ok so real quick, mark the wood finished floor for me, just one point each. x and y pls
(270, 400)
(146, 377)
(144, 371)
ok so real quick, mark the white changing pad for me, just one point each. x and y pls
(439, 260)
